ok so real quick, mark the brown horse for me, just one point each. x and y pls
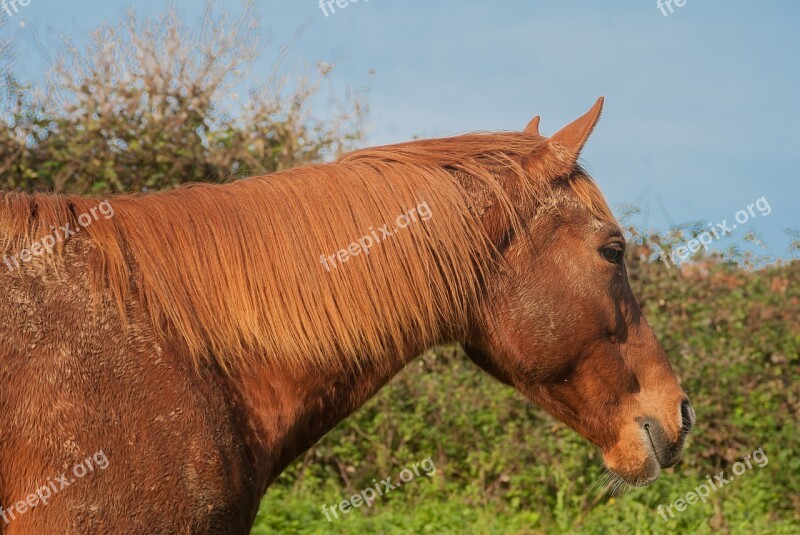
(164, 357)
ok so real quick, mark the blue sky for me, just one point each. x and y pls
(701, 105)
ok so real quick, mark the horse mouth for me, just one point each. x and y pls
(653, 463)
(652, 444)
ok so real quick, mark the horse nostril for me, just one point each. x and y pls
(687, 417)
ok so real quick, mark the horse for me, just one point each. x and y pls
(164, 356)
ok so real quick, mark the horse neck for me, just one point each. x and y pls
(290, 410)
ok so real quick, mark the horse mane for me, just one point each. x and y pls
(235, 270)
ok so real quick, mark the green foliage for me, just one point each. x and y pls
(504, 466)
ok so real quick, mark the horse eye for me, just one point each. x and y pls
(613, 253)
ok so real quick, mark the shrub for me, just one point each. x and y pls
(150, 104)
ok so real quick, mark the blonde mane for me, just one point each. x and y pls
(235, 269)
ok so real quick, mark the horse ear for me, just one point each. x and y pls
(533, 127)
(571, 139)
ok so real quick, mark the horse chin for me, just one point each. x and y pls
(645, 477)
(646, 471)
